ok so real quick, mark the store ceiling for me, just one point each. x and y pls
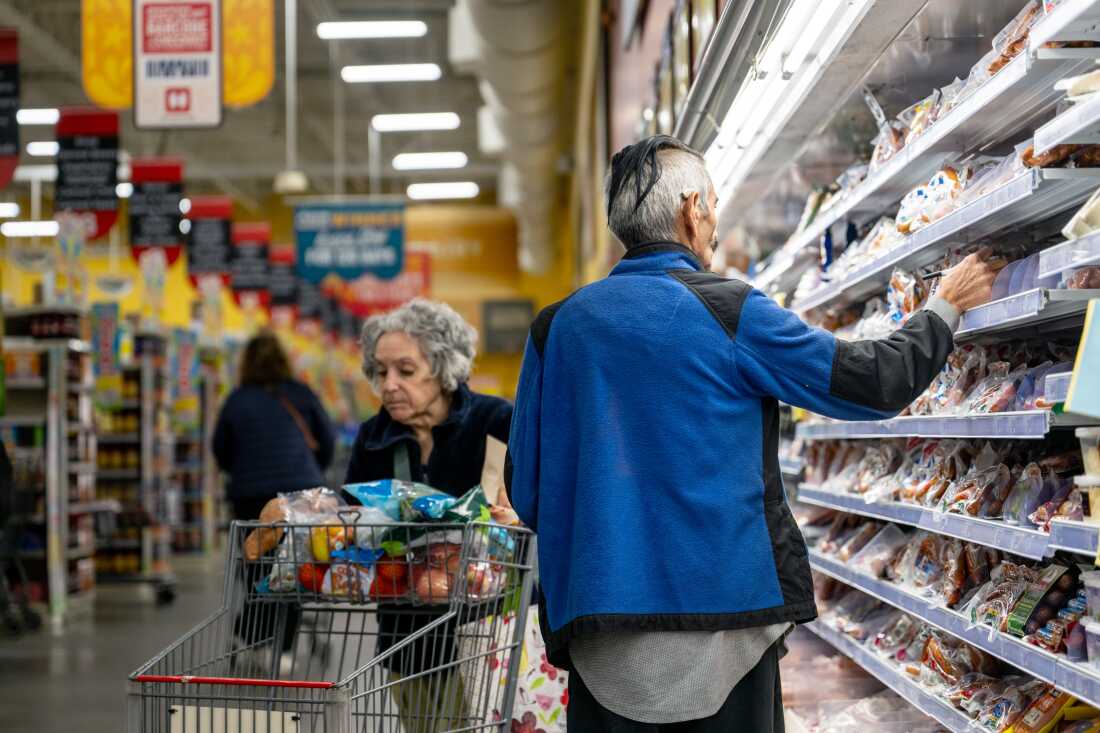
(941, 42)
(243, 155)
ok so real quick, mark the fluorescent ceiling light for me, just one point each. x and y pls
(185, 226)
(43, 148)
(24, 173)
(29, 228)
(185, 206)
(124, 189)
(40, 116)
(426, 161)
(415, 121)
(445, 190)
(338, 30)
(390, 72)
(9, 210)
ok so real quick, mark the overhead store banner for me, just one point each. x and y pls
(283, 284)
(87, 167)
(348, 240)
(177, 64)
(209, 243)
(248, 51)
(249, 268)
(368, 295)
(9, 104)
(155, 206)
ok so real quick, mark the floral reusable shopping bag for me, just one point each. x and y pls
(542, 691)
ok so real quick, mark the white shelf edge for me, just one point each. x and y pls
(1068, 21)
(1069, 255)
(1030, 424)
(1031, 307)
(1030, 543)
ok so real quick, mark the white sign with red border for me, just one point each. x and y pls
(177, 63)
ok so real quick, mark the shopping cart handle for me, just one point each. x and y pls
(187, 679)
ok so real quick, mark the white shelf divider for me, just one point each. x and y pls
(1077, 679)
(1028, 309)
(888, 674)
(1023, 541)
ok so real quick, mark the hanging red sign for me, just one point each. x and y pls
(9, 104)
(368, 294)
(87, 167)
(155, 206)
(249, 267)
(209, 241)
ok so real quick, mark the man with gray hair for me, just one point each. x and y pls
(644, 452)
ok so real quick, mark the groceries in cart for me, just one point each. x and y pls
(402, 542)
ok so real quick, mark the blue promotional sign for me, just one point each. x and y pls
(350, 240)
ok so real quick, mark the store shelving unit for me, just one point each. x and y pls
(892, 677)
(47, 415)
(1077, 679)
(1020, 93)
(141, 551)
(1023, 541)
(1032, 196)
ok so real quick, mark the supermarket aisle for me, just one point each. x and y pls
(76, 682)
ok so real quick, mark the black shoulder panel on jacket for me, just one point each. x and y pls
(722, 297)
(540, 329)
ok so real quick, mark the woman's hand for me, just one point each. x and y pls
(503, 513)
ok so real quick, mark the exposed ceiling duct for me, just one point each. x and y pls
(517, 50)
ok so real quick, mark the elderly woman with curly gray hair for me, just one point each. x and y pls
(431, 429)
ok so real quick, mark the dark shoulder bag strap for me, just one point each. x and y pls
(303, 426)
(402, 469)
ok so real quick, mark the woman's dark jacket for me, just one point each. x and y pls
(259, 444)
(454, 467)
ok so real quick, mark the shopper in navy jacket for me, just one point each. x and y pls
(644, 453)
(272, 436)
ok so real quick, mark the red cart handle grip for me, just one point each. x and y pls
(187, 679)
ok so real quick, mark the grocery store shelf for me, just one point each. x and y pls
(119, 545)
(22, 421)
(888, 674)
(107, 438)
(1031, 308)
(85, 469)
(27, 383)
(73, 553)
(25, 343)
(1023, 541)
(1030, 197)
(1057, 387)
(81, 388)
(1027, 424)
(1072, 20)
(1053, 668)
(790, 466)
(93, 507)
(1069, 255)
(118, 473)
(1017, 95)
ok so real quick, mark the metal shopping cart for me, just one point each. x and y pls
(407, 627)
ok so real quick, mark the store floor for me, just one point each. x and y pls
(76, 681)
